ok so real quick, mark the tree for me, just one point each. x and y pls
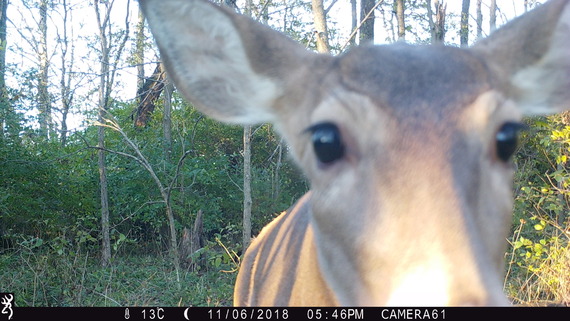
(354, 21)
(148, 94)
(479, 20)
(167, 118)
(321, 31)
(247, 199)
(107, 42)
(139, 52)
(367, 21)
(493, 16)
(67, 62)
(464, 31)
(437, 21)
(4, 105)
(44, 99)
(401, 19)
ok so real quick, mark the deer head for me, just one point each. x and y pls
(407, 149)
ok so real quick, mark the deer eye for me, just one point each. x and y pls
(327, 142)
(507, 140)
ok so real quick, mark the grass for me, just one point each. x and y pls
(538, 270)
(538, 273)
(45, 279)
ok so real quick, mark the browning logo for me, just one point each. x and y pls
(6, 301)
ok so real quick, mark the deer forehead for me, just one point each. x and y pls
(424, 81)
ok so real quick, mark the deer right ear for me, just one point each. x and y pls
(532, 52)
(229, 66)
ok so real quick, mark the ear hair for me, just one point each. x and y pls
(532, 54)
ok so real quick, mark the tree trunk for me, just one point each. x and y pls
(44, 102)
(247, 201)
(437, 21)
(367, 21)
(148, 95)
(354, 21)
(479, 19)
(430, 20)
(106, 82)
(167, 118)
(276, 179)
(106, 240)
(321, 32)
(5, 112)
(401, 20)
(440, 16)
(139, 53)
(65, 80)
(493, 16)
(101, 113)
(464, 31)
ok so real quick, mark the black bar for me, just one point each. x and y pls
(293, 314)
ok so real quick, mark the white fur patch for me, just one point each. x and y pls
(426, 285)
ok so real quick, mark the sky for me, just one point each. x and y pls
(23, 21)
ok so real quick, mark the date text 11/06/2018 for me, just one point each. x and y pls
(326, 313)
(286, 314)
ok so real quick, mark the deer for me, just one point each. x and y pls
(408, 150)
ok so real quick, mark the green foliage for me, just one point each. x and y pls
(540, 253)
(50, 215)
(44, 194)
(76, 279)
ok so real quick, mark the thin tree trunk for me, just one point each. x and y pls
(367, 21)
(321, 32)
(139, 53)
(5, 112)
(106, 240)
(65, 81)
(401, 20)
(464, 31)
(247, 200)
(354, 20)
(167, 118)
(43, 93)
(436, 21)
(440, 16)
(101, 113)
(276, 177)
(493, 16)
(479, 20)
(430, 20)
(106, 83)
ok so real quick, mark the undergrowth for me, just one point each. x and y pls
(538, 269)
(40, 278)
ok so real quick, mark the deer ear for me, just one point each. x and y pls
(532, 52)
(229, 66)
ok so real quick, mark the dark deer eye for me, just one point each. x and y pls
(507, 140)
(327, 142)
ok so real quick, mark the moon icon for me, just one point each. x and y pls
(186, 314)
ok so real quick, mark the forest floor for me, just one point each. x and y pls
(47, 279)
(39, 279)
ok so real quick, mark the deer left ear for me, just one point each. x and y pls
(532, 53)
(229, 66)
